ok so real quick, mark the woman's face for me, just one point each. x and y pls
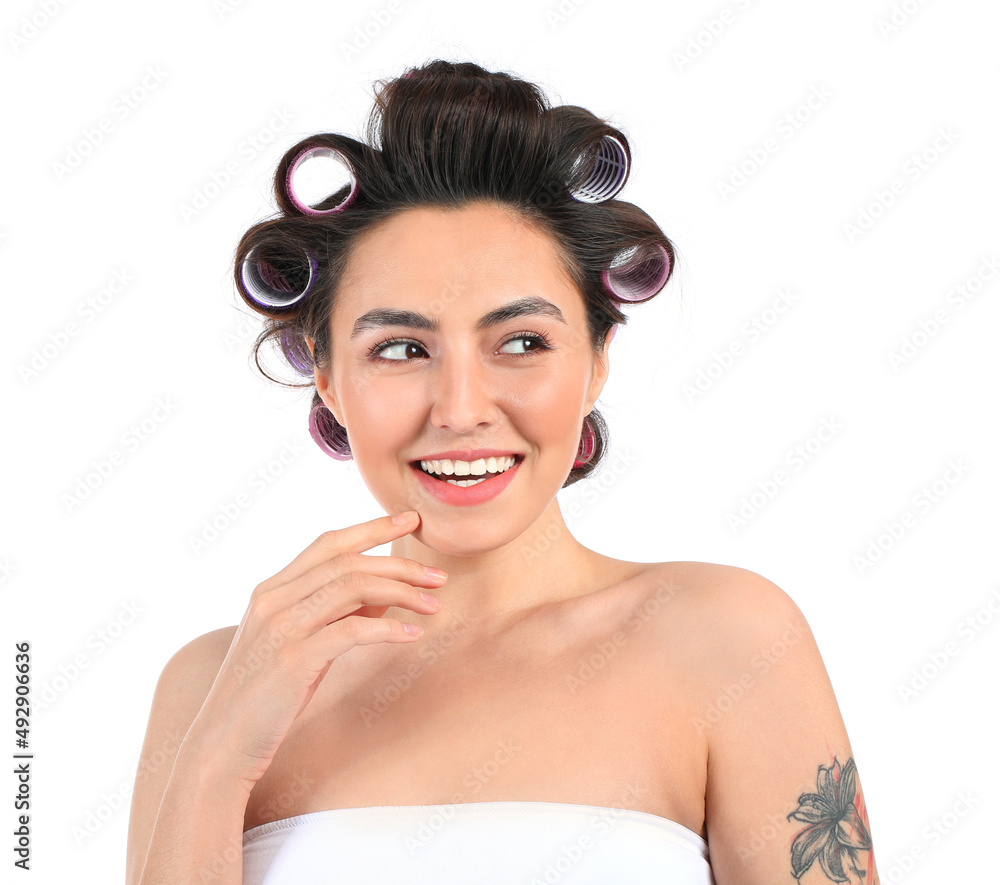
(447, 381)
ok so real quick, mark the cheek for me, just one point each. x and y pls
(550, 409)
(379, 421)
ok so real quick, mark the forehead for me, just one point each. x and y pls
(473, 258)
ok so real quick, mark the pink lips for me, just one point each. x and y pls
(479, 493)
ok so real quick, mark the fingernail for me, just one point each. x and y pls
(403, 518)
(430, 600)
(435, 572)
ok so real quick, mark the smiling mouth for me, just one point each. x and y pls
(470, 479)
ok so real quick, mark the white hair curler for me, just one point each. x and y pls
(637, 273)
(315, 175)
(608, 172)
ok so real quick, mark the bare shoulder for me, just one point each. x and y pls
(196, 664)
(180, 691)
(710, 621)
(725, 601)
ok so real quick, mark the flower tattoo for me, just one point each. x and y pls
(838, 825)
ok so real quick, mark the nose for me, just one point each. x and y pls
(464, 393)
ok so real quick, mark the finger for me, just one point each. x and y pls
(345, 567)
(354, 538)
(339, 637)
(349, 596)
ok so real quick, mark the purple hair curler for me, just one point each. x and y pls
(320, 179)
(296, 351)
(608, 172)
(324, 430)
(270, 285)
(637, 273)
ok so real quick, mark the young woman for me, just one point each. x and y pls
(493, 701)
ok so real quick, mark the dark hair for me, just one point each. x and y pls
(449, 134)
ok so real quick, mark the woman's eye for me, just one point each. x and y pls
(400, 348)
(536, 341)
(398, 351)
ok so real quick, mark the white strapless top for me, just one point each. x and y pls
(475, 843)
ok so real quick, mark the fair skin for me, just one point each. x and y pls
(710, 706)
(469, 396)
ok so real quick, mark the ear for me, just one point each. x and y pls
(323, 385)
(601, 369)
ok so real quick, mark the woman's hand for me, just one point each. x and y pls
(328, 600)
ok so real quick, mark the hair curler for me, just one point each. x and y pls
(323, 179)
(637, 273)
(608, 172)
(296, 351)
(276, 282)
(328, 434)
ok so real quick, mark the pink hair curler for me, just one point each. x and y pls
(328, 434)
(323, 179)
(637, 273)
(608, 172)
(270, 283)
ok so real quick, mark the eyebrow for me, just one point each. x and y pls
(390, 316)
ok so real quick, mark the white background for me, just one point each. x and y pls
(207, 78)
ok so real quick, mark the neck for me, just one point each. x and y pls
(489, 588)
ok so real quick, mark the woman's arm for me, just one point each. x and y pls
(783, 801)
(187, 811)
(226, 701)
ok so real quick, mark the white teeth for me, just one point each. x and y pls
(480, 467)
